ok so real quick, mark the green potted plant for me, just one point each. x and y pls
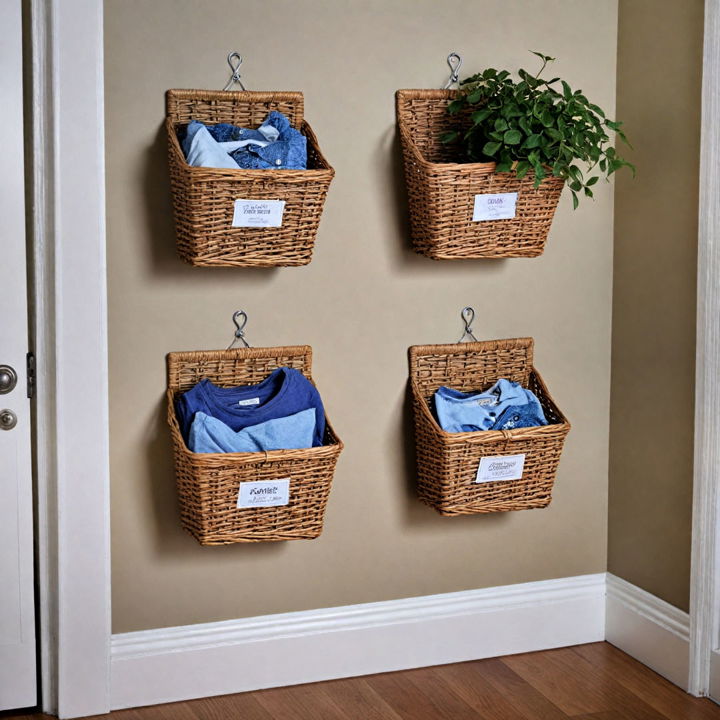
(520, 139)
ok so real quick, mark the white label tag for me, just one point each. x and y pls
(500, 467)
(249, 401)
(264, 493)
(258, 213)
(498, 206)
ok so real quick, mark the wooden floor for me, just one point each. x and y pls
(590, 682)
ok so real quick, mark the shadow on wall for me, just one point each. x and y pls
(163, 260)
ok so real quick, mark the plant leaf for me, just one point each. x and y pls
(512, 137)
(490, 148)
(481, 115)
(450, 136)
(522, 168)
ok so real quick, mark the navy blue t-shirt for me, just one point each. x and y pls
(282, 393)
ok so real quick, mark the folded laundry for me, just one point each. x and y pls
(504, 406)
(283, 393)
(210, 435)
(274, 145)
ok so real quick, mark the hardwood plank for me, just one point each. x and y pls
(468, 681)
(242, 705)
(358, 700)
(133, 714)
(575, 686)
(652, 688)
(411, 694)
(303, 701)
(528, 701)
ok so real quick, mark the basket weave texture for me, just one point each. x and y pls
(447, 463)
(208, 484)
(204, 198)
(441, 190)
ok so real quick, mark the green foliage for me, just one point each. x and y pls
(536, 124)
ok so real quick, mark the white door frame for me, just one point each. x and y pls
(705, 573)
(70, 343)
(70, 302)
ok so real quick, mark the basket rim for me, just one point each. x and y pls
(463, 348)
(248, 96)
(242, 174)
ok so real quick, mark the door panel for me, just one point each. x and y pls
(17, 612)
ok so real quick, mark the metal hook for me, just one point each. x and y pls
(235, 77)
(468, 316)
(454, 61)
(239, 329)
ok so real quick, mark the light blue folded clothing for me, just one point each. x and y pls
(201, 150)
(294, 432)
(504, 406)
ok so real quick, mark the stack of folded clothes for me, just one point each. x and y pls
(283, 412)
(506, 405)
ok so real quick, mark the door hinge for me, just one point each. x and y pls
(31, 375)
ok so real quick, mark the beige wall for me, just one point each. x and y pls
(364, 299)
(653, 349)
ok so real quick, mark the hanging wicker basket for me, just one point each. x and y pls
(448, 463)
(442, 190)
(204, 198)
(208, 484)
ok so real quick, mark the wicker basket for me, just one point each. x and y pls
(448, 462)
(441, 191)
(204, 198)
(208, 484)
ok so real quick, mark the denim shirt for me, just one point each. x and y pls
(274, 145)
(506, 405)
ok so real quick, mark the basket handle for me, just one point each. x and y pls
(235, 77)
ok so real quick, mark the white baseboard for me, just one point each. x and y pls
(649, 629)
(179, 663)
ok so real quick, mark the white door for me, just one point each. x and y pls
(17, 611)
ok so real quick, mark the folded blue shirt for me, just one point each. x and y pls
(210, 435)
(274, 145)
(504, 406)
(284, 392)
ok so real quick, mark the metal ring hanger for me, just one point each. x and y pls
(239, 334)
(455, 62)
(235, 77)
(468, 316)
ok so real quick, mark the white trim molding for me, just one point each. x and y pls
(180, 663)
(705, 574)
(70, 343)
(649, 629)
